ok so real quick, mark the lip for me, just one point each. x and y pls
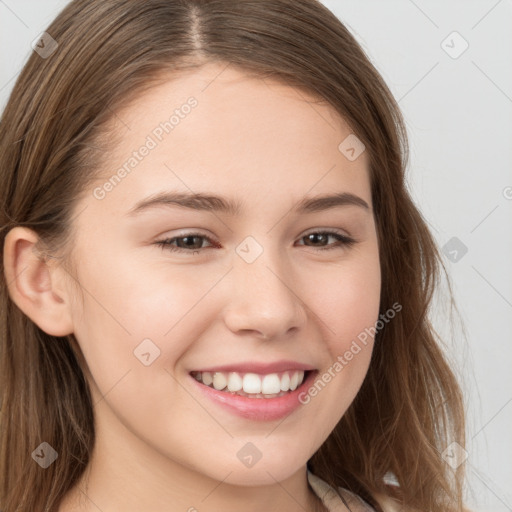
(260, 368)
(256, 409)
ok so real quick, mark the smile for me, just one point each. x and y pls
(236, 388)
(252, 385)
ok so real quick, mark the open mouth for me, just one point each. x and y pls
(253, 385)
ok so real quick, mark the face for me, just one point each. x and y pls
(181, 299)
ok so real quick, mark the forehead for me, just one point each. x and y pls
(217, 129)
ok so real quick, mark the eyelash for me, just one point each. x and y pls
(344, 241)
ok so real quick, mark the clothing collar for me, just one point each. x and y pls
(341, 501)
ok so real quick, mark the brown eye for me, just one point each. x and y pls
(317, 239)
(190, 242)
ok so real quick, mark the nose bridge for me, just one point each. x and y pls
(262, 296)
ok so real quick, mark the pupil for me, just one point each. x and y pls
(314, 236)
(190, 239)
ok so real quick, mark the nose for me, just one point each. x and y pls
(262, 301)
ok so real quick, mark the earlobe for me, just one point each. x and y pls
(35, 285)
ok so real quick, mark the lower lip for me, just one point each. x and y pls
(259, 409)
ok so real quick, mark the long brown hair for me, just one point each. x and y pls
(52, 138)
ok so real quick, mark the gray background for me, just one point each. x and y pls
(459, 117)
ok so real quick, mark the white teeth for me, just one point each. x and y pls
(296, 380)
(234, 382)
(293, 381)
(251, 384)
(271, 384)
(219, 381)
(285, 382)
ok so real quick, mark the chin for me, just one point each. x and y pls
(262, 473)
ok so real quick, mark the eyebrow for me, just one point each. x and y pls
(213, 203)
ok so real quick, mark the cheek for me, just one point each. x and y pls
(347, 299)
(132, 301)
(135, 325)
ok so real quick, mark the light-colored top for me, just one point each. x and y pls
(341, 501)
(345, 500)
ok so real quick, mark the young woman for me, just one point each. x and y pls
(215, 285)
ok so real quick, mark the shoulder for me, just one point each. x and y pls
(337, 500)
(386, 502)
(341, 499)
(389, 504)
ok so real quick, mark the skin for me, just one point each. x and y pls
(160, 444)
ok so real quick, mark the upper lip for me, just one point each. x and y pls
(261, 368)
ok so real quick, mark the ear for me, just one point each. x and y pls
(35, 285)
